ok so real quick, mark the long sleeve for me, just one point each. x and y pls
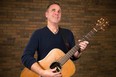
(29, 51)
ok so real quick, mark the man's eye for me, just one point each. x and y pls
(59, 11)
(53, 9)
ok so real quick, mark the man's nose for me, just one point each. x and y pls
(56, 13)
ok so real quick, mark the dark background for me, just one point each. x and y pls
(19, 18)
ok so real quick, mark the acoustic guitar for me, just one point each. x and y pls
(56, 58)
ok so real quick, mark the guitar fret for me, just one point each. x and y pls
(76, 47)
(92, 32)
(83, 39)
(86, 37)
(69, 54)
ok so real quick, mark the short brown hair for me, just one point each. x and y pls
(52, 4)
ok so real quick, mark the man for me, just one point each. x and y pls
(45, 39)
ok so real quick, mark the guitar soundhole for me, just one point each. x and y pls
(55, 65)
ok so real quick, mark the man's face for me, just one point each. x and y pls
(53, 14)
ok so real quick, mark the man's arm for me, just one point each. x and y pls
(45, 73)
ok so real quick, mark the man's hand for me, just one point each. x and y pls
(45, 73)
(83, 45)
(51, 73)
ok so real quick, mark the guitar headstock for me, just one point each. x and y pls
(101, 24)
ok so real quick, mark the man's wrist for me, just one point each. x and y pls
(79, 50)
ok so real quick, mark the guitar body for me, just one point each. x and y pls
(67, 70)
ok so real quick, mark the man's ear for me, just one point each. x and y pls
(46, 14)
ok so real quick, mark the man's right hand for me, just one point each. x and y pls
(51, 73)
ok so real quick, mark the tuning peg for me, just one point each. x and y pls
(107, 22)
(98, 21)
(102, 19)
(96, 24)
(104, 25)
(102, 29)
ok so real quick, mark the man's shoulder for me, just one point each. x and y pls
(66, 30)
(40, 29)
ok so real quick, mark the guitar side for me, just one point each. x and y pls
(67, 70)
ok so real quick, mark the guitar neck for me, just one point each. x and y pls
(71, 52)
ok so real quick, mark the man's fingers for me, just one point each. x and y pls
(86, 42)
(83, 41)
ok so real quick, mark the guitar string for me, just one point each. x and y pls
(75, 48)
(71, 52)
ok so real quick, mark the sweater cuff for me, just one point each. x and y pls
(74, 58)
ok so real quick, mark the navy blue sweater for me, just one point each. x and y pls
(42, 41)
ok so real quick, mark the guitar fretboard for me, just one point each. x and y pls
(71, 52)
